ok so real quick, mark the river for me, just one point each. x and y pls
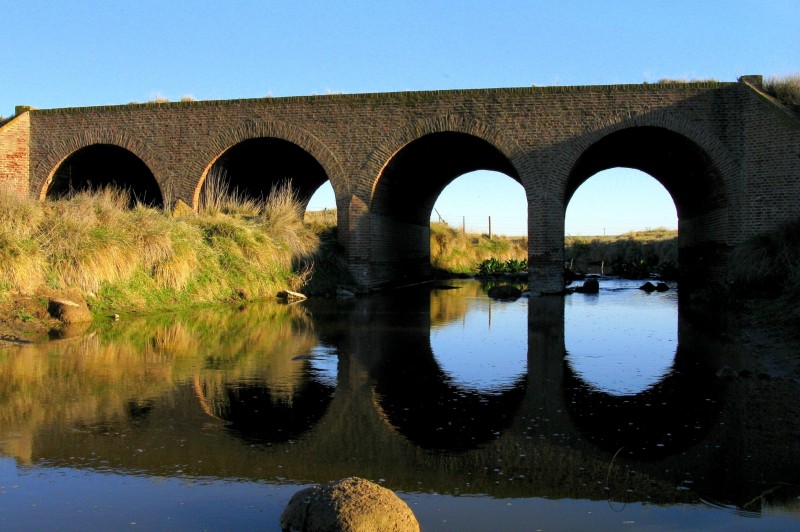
(600, 412)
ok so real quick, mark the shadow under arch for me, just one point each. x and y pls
(406, 190)
(263, 153)
(98, 166)
(666, 419)
(685, 169)
(256, 166)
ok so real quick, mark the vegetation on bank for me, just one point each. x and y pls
(124, 259)
(765, 271)
(456, 252)
(786, 89)
(635, 255)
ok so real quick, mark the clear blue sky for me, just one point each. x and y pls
(83, 53)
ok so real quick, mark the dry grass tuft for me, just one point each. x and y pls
(786, 89)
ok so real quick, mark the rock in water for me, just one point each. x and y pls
(504, 291)
(352, 504)
(590, 286)
(648, 287)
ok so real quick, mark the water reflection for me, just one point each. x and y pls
(434, 387)
(416, 388)
(665, 419)
(626, 344)
(482, 351)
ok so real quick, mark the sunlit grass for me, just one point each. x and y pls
(455, 251)
(785, 88)
(144, 258)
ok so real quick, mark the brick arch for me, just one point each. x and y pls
(723, 162)
(392, 144)
(688, 160)
(60, 151)
(271, 129)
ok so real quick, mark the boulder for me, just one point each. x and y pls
(648, 287)
(590, 286)
(504, 291)
(662, 287)
(68, 311)
(351, 504)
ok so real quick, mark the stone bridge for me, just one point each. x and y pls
(728, 154)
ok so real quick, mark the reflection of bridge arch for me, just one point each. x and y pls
(421, 402)
(663, 420)
(259, 414)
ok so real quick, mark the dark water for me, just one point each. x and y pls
(599, 412)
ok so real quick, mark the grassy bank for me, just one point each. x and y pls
(636, 254)
(765, 276)
(460, 253)
(124, 259)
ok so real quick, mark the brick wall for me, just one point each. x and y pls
(15, 155)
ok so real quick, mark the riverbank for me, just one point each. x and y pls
(93, 248)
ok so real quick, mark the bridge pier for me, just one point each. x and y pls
(545, 242)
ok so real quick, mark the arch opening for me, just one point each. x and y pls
(407, 190)
(257, 166)
(98, 166)
(688, 175)
(622, 222)
(679, 164)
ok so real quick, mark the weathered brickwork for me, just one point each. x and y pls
(729, 156)
(15, 154)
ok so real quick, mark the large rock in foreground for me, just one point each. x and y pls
(352, 504)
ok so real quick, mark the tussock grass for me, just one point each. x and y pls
(140, 258)
(785, 88)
